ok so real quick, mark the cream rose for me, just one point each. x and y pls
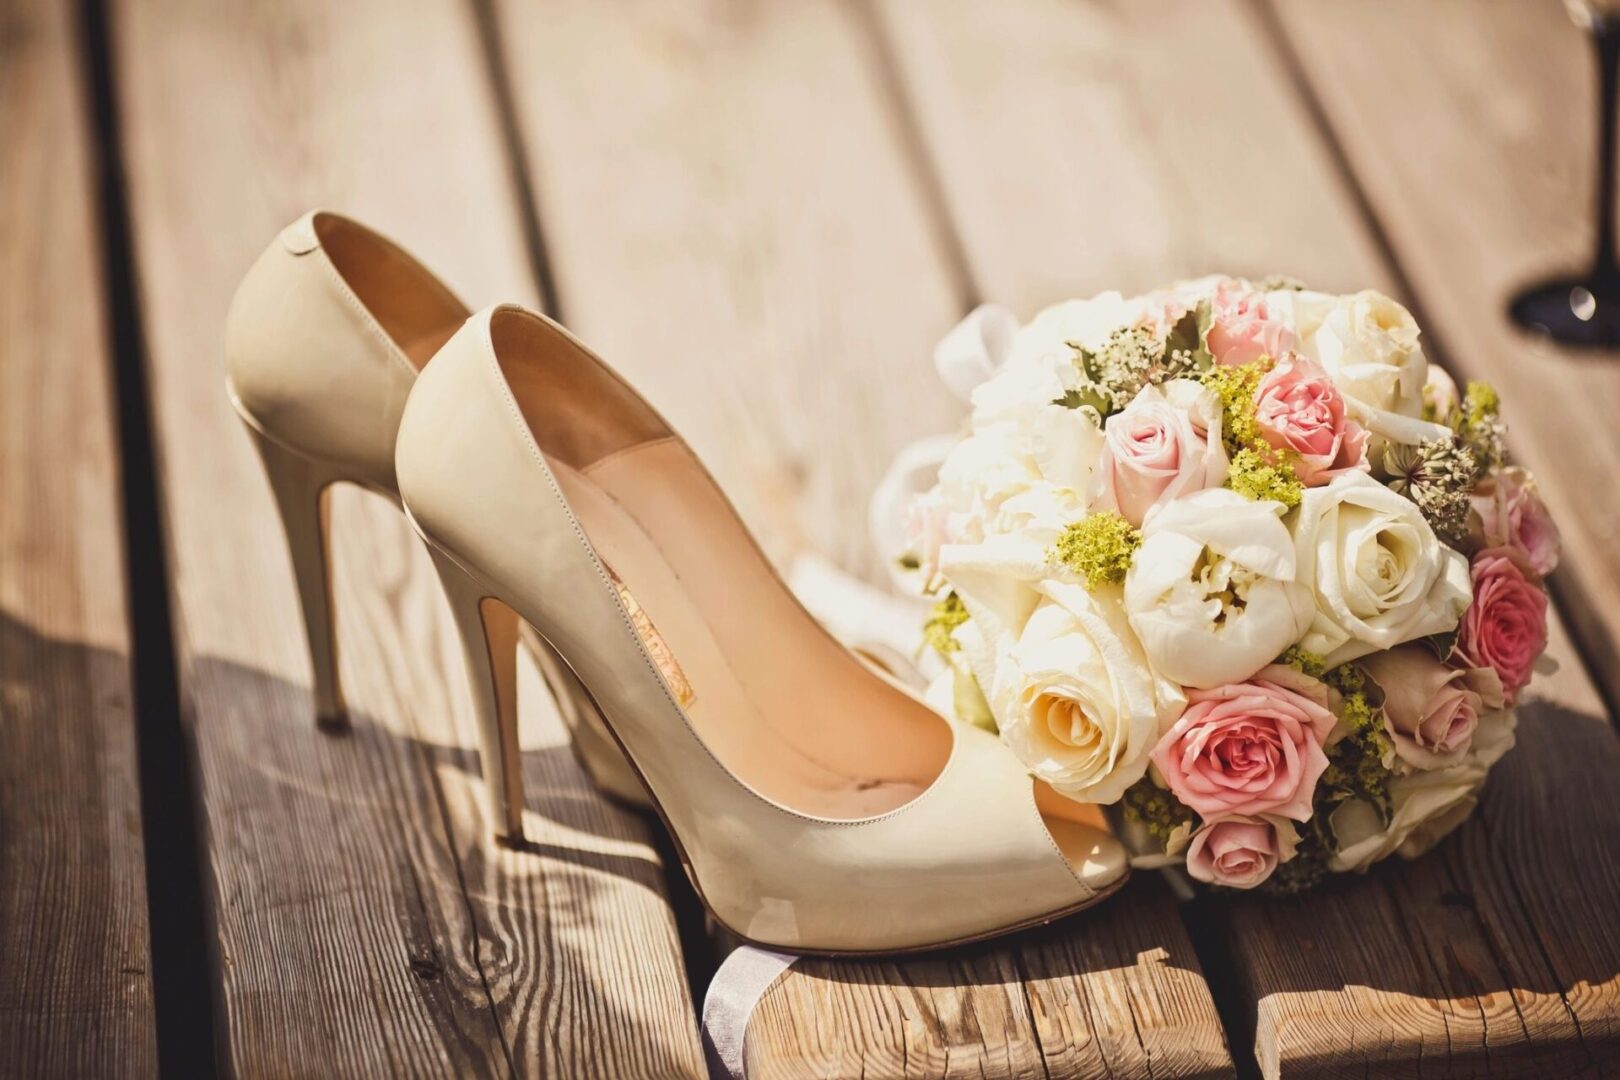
(1425, 807)
(1212, 592)
(1034, 474)
(1495, 736)
(1380, 575)
(1369, 345)
(1074, 696)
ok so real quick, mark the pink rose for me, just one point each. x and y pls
(1249, 748)
(1244, 327)
(1505, 628)
(1431, 709)
(1298, 408)
(1511, 514)
(1164, 444)
(1239, 852)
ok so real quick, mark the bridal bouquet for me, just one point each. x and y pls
(1235, 556)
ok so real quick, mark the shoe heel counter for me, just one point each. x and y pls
(450, 436)
(475, 484)
(305, 366)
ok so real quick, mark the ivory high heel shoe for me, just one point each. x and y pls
(324, 339)
(817, 805)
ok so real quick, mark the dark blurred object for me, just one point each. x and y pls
(1585, 311)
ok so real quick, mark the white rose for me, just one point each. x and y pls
(1425, 806)
(1034, 473)
(1022, 388)
(1081, 322)
(1493, 738)
(1368, 344)
(1038, 368)
(1379, 573)
(1074, 696)
(1212, 592)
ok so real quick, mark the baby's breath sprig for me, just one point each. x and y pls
(947, 614)
(1112, 374)
(1098, 547)
(1132, 357)
(1186, 346)
(1156, 809)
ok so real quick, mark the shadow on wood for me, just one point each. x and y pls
(77, 995)
(537, 971)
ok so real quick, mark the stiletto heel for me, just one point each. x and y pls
(299, 485)
(487, 629)
(326, 335)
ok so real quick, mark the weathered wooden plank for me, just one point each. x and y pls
(1048, 120)
(1084, 147)
(76, 995)
(727, 197)
(1108, 993)
(1471, 128)
(364, 920)
(730, 196)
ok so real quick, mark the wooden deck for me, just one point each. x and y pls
(764, 214)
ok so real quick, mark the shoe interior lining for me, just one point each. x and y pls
(785, 707)
(412, 306)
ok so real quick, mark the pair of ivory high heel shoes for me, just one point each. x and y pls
(818, 805)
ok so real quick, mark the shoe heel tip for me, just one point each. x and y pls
(512, 841)
(333, 723)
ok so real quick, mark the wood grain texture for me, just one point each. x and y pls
(364, 921)
(1472, 128)
(76, 991)
(734, 226)
(735, 222)
(1099, 995)
(1083, 147)
(1451, 956)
